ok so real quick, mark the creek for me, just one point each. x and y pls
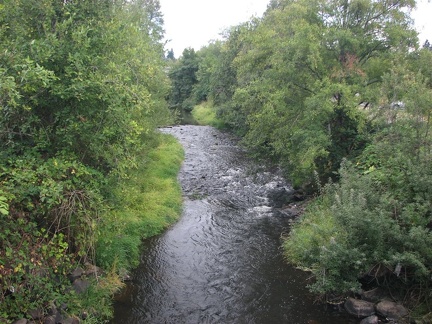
(222, 261)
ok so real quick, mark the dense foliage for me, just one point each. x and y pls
(182, 74)
(380, 213)
(315, 83)
(82, 89)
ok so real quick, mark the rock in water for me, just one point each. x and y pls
(359, 308)
(391, 310)
(370, 320)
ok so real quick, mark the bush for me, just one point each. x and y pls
(356, 226)
(33, 265)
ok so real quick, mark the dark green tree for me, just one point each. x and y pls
(183, 79)
(170, 55)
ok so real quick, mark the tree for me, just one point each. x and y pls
(82, 89)
(183, 78)
(224, 79)
(209, 57)
(379, 214)
(151, 18)
(170, 55)
(305, 71)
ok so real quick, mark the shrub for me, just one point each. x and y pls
(356, 226)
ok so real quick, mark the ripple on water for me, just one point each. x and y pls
(222, 261)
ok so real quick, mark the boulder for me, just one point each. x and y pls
(50, 320)
(92, 270)
(76, 274)
(370, 320)
(359, 308)
(80, 285)
(279, 196)
(36, 314)
(71, 320)
(374, 295)
(58, 317)
(21, 321)
(391, 310)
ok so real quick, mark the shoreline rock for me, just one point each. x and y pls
(375, 306)
(359, 308)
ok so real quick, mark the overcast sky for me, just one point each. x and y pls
(193, 23)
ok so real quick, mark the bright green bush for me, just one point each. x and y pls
(205, 114)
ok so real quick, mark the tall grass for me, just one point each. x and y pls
(205, 114)
(147, 202)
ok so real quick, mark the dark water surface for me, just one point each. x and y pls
(222, 261)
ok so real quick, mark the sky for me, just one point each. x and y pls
(193, 23)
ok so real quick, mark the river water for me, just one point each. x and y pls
(222, 261)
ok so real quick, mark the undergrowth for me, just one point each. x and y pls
(356, 227)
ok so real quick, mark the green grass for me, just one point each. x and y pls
(314, 231)
(205, 114)
(145, 204)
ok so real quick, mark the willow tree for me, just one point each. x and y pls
(307, 72)
(183, 79)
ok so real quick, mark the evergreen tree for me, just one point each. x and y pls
(170, 55)
(183, 78)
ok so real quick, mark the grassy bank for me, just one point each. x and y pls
(105, 223)
(145, 204)
(205, 114)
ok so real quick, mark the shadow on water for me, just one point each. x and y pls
(222, 261)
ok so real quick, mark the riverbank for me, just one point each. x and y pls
(353, 237)
(144, 203)
(134, 207)
(222, 261)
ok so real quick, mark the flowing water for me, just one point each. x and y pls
(222, 261)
